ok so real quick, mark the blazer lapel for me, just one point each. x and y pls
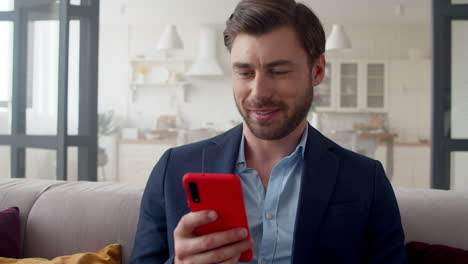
(221, 154)
(318, 181)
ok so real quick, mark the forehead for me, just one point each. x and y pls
(279, 44)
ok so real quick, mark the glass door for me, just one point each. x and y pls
(375, 92)
(450, 95)
(348, 86)
(51, 49)
(323, 92)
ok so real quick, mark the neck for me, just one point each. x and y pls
(271, 150)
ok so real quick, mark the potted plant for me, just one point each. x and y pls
(107, 151)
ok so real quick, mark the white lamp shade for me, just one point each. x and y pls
(170, 39)
(338, 39)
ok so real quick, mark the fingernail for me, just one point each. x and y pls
(242, 233)
(212, 215)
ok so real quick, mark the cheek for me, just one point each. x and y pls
(240, 91)
(292, 89)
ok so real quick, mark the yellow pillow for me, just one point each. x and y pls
(107, 255)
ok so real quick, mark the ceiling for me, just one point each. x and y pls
(373, 11)
(329, 11)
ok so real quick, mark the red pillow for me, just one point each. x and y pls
(10, 233)
(419, 252)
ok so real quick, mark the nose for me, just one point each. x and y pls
(261, 86)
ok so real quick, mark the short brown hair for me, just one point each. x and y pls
(262, 16)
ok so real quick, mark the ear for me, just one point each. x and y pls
(318, 70)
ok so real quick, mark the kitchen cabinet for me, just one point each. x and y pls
(348, 92)
(353, 86)
(324, 90)
(138, 157)
(411, 164)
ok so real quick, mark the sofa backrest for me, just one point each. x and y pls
(75, 217)
(61, 218)
(434, 216)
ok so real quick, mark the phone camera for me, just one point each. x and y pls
(194, 192)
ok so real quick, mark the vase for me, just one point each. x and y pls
(109, 145)
(140, 78)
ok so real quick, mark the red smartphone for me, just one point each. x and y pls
(223, 194)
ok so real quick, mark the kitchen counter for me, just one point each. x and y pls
(412, 144)
(388, 140)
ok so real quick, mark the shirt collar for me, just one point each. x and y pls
(300, 148)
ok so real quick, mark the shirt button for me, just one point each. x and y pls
(269, 217)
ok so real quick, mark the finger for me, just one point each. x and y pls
(216, 240)
(233, 260)
(222, 254)
(193, 220)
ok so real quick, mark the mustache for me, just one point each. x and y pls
(264, 102)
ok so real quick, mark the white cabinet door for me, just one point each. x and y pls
(375, 86)
(411, 165)
(348, 86)
(324, 92)
(354, 86)
(136, 160)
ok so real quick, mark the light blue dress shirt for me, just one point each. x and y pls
(272, 213)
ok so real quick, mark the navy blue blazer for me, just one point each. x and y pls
(347, 211)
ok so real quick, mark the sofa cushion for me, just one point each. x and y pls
(107, 255)
(10, 245)
(422, 253)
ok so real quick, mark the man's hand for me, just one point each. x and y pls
(221, 247)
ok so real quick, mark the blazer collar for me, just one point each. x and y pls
(221, 153)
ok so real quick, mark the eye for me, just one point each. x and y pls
(244, 74)
(279, 72)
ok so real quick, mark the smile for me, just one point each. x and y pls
(264, 115)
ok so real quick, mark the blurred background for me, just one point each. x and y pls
(154, 74)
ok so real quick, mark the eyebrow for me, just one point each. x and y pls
(243, 65)
(279, 63)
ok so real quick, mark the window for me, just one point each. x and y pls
(6, 62)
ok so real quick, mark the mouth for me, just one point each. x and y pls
(264, 114)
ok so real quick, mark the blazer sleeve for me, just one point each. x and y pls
(386, 237)
(151, 245)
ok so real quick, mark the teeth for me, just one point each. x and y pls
(264, 112)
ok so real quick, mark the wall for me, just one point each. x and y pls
(133, 28)
(130, 31)
(410, 99)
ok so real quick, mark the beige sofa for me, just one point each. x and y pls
(60, 218)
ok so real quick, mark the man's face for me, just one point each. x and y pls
(273, 81)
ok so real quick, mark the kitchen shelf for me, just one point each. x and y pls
(161, 59)
(160, 85)
(178, 88)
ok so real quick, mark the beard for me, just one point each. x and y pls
(281, 126)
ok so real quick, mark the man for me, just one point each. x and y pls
(307, 199)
